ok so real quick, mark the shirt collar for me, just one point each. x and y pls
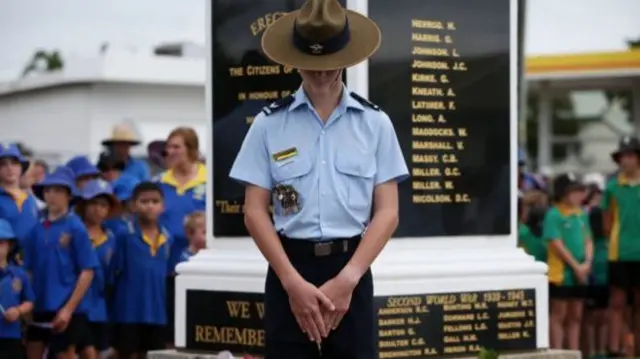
(568, 211)
(346, 101)
(200, 179)
(625, 181)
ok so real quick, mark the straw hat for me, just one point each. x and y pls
(321, 36)
(122, 133)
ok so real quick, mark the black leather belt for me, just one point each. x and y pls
(320, 249)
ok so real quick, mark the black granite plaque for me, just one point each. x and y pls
(442, 74)
(218, 321)
(244, 81)
(409, 326)
(456, 324)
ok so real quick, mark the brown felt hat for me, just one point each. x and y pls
(321, 36)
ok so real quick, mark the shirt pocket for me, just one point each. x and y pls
(288, 172)
(357, 174)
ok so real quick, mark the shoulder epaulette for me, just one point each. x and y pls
(363, 101)
(278, 105)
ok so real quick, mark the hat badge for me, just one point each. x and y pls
(316, 48)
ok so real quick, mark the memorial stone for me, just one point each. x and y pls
(452, 280)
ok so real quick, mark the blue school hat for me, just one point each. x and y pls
(63, 176)
(6, 232)
(123, 187)
(12, 151)
(81, 167)
(98, 188)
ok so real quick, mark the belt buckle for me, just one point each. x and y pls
(322, 249)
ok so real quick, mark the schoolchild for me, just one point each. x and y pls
(123, 190)
(97, 203)
(140, 269)
(16, 205)
(16, 297)
(83, 170)
(570, 255)
(621, 207)
(595, 318)
(61, 261)
(528, 239)
(195, 231)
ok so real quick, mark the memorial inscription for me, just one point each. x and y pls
(443, 76)
(244, 81)
(409, 326)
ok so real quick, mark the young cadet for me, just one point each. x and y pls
(16, 297)
(16, 205)
(140, 269)
(621, 206)
(97, 204)
(61, 261)
(183, 185)
(566, 230)
(322, 155)
(83, 170)
(595, 336)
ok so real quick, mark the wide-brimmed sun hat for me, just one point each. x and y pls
(63, 177)
(321, 36)
(98, 188)
(122, 133)
(627, 144)
(12, 151)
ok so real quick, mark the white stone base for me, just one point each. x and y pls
(406, 266)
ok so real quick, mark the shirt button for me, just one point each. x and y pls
(324, 193)
(323, 132)
(324, 162)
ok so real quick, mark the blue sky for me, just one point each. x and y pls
(78, 27)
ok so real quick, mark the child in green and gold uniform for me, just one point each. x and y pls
(595, 328)
(527, 240)
(570, 254)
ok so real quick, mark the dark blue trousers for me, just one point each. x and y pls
(355, 337)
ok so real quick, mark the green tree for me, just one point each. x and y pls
(44, 61)
(634, 44)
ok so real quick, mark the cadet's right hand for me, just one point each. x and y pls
(305, 300)
(582, 273)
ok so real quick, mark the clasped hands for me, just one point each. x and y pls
(318, 310)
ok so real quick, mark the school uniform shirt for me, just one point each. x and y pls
(139, 269)
(184, 256)
(20, 211)
(137, 168)
(118, 224)
(531, 243)
(621, 197)
(15, 289)
(104, 247)
(180, 201)
(571, 226)
(55, 255)
(599, 267)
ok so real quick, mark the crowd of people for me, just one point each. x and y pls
(88, 251)
(587, 230)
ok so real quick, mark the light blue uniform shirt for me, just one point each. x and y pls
(334, 166)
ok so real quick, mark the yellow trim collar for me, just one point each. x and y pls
(201, 178)
(568, 211)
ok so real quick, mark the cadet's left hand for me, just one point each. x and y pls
(339, 289)
(62, 319)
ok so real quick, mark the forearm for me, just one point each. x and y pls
(566, 256)
(382, 226)
(82, 285)
(25, 308)
(261, 229)
(589, 251)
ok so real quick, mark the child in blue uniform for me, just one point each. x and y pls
(61, 261)
(140, 268)
(16, 297)
(97, 204)
(195, 230)
(123, 190)
(16, 205)
(83, 170)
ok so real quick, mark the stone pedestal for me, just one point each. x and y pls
(455, 281)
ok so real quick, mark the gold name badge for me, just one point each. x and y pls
(283, 155)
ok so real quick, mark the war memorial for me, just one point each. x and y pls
(451, 281)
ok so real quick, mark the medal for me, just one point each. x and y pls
(288, 198)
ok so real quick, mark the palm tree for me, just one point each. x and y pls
(44, 61)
